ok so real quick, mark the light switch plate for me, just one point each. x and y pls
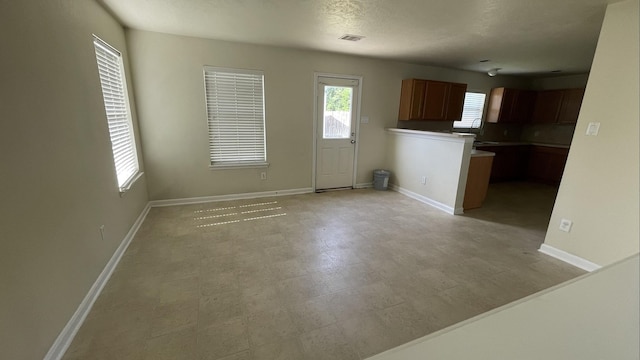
(593, 128)
(364, 119)
(565, 225)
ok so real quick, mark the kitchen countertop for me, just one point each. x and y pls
(438, 134)
(516, 143)
(551, 145)
(481, 153)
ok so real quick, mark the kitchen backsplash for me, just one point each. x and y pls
(534, 133)
(500, 132)
(548, 133)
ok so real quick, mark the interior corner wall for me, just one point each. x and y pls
(169, 87)
(599, 191)
(58, 179)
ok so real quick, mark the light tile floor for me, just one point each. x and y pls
(338, 275)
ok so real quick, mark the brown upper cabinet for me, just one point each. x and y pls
(455, 103)
(571, 103)
(558, 106)
(431, 100)
(510, 105)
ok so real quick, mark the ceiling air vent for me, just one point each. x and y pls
(351, 37)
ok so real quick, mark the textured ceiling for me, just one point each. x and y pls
(527, 37)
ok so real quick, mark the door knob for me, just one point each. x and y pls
(353, 141)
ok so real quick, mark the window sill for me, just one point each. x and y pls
(229, 166)
(127, 186)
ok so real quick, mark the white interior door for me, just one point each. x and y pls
(336, 132)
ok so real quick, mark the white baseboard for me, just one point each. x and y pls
(363, 186)
(426, 200)
(67, 334)
(205, 199)
(569, 258)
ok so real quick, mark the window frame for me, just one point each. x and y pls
(482, 113)
(129, 162)
(212, 132)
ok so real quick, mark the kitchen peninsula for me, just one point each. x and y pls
(431, 166)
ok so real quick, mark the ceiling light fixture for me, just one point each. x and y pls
(349, 37)
(493, 72)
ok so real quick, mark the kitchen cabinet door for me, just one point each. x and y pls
(570, 108)
(509, 163)
(547, 106)
(435, 100)
(500, 105)
(455, 101)
(510, 105)
(431, 100)
(412, 99)
(546, 164)
(523, 106)
(477, 181)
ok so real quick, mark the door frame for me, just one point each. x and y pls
(316, 83)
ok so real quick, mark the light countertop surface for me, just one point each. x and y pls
(481, 153)
(442, 134)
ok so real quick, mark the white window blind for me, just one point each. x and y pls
(235, 112)
(114, 93)
(472, 111)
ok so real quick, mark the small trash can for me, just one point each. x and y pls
(381, 179)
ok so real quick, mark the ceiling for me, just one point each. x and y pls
(523, 37)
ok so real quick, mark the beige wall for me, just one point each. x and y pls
(593, 318)
(167, 73)
(58, 181)
(599, 190)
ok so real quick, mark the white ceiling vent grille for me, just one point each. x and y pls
(351, 37)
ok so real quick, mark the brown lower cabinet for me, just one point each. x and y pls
(510, 162)
(546, 164)
(477, 181)
(537, 163)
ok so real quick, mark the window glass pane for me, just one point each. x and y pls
(235, 111)
(472, 111)
(116, 103)
(337, 112)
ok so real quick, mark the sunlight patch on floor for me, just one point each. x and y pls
(240, 215)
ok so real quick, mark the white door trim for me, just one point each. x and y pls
(316, 76)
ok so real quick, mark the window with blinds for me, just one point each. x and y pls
(472, 111)
(116, 104)
(235, 115)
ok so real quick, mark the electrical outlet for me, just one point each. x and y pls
(102, 232)
(565, 225)
(263, 175)
(423, 180)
